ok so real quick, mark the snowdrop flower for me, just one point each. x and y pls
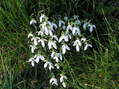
(30, 35)
(42, 41)
(64, 48)
(49, 65)
(35, 40)
(33, 21)
(54, 25)
(64, 37)
(54, 37)
(69, 27)
(77, 43)
(52, 44)
(32, 61)
(40, 33)
(75, 16)
(83, 39)
(42, 17)
(45, 29)
(61, 22)
(57, 66)
(62, 80)
(65, 18)
(85, 25)
(35, 59)
(91, 27)
(64, 27)
(54, 81)
(75, 30)
(33, 47)
(64, 84)
(38, 58)
(86, 46)
(78, 22)
(56, 56)
(52, 54)
(50, 32)
(60, 56)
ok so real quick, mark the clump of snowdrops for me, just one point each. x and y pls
(54, 39)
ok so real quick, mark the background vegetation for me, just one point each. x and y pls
(96, 69)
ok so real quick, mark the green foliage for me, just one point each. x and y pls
(96, 69)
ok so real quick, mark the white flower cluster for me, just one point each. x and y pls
(53, 40)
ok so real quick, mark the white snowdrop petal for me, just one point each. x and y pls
(78, 22)
(64, 84)
(43, 43)
(64, 27)
(91, 29)
(60, 56)
(40, 33)
(79, 43)
(32, 50)
(65, 18)
(77, 48)
(35, 42)
(42, 58)
(83, 39)
(75, 16)
(63, 49)
(49, 44)
(54, 81)
(54, 45)
(57, 66)
(94, 26)
(78, 32)
(31, 59)
(85, 25)
(74, 44)
(52, 54)
(33, 21)
(73, 31)
(86, 46)
(61, 38)
(61, 23)
(30, 35)
(41, 17)
(51, 80)
(69, 27)
(50, 33)
(54, 25)
(46, 64)
(33, 47)
(61, 79)
(89, 45)
(66, 38)
(32, 63)
(46, 30)
(67, 48)
(37, 59)
(51, 66)
(57, 60)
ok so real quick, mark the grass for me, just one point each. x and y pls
(96, 69)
